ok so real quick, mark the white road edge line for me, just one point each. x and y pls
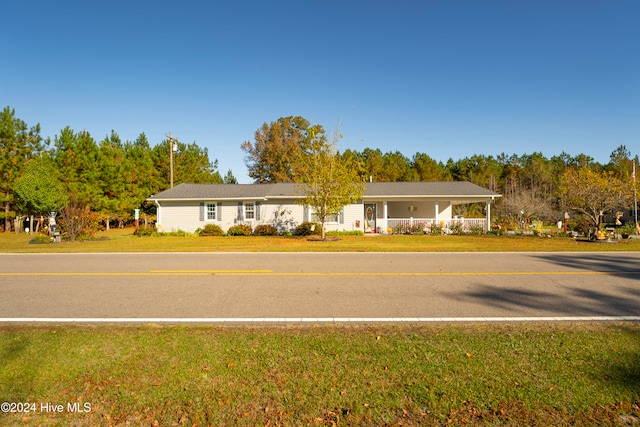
(225, 320)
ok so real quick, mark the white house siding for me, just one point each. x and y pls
(351, 214)
(186, 216)
(446, 212)
(228, 215)
(233, 214)
(176, 216)
(283, 216)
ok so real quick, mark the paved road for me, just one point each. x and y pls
(321, 286)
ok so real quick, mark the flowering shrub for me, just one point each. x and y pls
(265, 230)
(211, 230)
(77, 221)
(240, 230)
(308, 228)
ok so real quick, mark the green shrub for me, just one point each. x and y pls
(563, 234)
(145, 231)
(210, 230)
(40, 238)
(628, 229)
(265, 230)
(240, 230)
(477, 230)
(176, 233)
(436, 230)
(418, 228)
(456, 229)
(308, 228)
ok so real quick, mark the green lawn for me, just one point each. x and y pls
(124, 241)
(501, 374)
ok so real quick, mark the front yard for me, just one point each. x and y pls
(123, 240)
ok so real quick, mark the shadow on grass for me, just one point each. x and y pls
(620, 368)
(625, 370)
(13, 348)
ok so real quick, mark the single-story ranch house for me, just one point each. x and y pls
(385, 206)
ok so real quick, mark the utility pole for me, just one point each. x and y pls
(635, 197)
(173, 146)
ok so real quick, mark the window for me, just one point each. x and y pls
(211, 211)
(249, 211)
(331, 219)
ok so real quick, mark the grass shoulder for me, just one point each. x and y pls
(496, 374)
(124, 240)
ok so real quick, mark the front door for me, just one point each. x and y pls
(370, 218)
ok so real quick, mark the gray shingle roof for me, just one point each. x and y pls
(228, 191)
(461, 190)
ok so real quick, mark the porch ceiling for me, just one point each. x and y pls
(454, 200)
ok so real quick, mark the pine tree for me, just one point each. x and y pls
(18, 144)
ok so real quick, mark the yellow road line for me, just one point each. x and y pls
(432, 273)
(210, 271)
(91, 274)
(160, 273)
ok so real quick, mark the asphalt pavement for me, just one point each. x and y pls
(319, 287)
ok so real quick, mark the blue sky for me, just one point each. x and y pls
(447, 78)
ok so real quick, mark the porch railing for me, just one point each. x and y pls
(404, 225)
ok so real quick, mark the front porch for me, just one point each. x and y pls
(426, 225)
(399, 217)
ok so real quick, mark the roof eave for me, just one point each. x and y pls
(222, 199)
(431, 196)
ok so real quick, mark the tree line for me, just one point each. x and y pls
(102, 182)
(96, 181)
(533, 186)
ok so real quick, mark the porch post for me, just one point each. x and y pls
(158, 216)
(436, 215)
(488, 216)
(384, 217)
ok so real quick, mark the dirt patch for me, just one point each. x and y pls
(326, 239)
